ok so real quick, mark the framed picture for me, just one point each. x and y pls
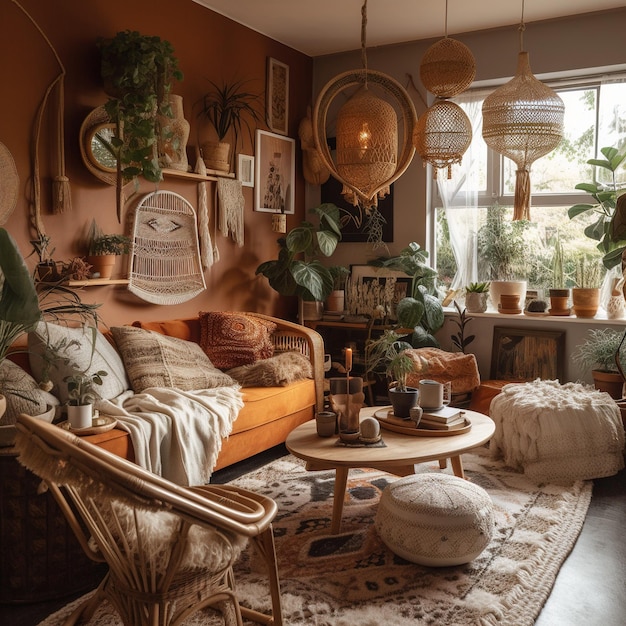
(522, 354)
(353, 225)
(277, 105)
(375, 291)
(245, 170)
(275, 166)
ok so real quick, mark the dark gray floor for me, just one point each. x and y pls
(590, 589)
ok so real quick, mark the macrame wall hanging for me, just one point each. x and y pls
(165, 264)
(61, 195)
(231, 205)
(208, 253)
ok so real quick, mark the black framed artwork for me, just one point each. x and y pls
(351, 231)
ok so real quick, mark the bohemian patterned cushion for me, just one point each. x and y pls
(235, 339)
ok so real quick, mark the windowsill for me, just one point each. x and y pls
(600, 317)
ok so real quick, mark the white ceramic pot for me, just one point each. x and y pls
(509, 287)
(80, 416)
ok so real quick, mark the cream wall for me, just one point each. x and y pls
(579, 43)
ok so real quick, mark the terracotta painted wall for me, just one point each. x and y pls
(208, 46)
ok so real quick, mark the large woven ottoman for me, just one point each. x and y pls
(435, 519)
(557, 433)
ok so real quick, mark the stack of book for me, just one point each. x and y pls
(447, 418)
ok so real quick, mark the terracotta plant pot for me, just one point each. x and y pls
(102, 265)
(611, 382)
(335, 301)
(559, 301)
(586, 301)
(509, 302)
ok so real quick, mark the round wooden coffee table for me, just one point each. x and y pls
(399, 456)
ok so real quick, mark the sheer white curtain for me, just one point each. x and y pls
(459, 196)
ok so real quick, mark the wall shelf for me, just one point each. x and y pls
(97, 282)
(211, 175)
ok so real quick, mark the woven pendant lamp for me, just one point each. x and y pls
(369, 155)
(523, 120)
(444, 132)
(442, 135)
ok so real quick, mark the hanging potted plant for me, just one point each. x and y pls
(227, 107)
(103, 250)
(137, 71)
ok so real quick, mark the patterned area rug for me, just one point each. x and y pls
(352, 578)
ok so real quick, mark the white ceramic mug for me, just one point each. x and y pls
(433, 394)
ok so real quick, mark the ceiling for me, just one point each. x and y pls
(318, 27)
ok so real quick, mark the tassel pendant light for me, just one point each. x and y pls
(523, 120)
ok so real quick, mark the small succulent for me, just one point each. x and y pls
(478, 287)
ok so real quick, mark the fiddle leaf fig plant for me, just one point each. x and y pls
(609, 230)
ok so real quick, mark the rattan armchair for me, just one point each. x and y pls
(169, 549)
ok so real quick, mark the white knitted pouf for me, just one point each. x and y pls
(435, 519)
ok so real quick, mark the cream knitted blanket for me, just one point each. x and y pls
(557, 433)
(177, 434)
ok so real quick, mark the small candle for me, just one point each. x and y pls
(348, 359)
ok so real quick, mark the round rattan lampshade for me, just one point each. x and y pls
(447, 68)
(372, 172)
(442, 135)
(523, 120)
(367, 141)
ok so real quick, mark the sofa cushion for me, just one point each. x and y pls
(57, 351)
(277, 371)
(22, 393)
(234, 339)
(156, 360)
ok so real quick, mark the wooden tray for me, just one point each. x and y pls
(101, 424)
(381, 416)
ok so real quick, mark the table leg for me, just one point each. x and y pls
(341, 480)
(457, 466)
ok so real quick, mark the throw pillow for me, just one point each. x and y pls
(155, 360)
(57, 351)
(22, 393)
(234, 339)
(277, 371)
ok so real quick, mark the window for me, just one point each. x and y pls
(475, 237)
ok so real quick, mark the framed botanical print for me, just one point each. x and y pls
(275, 166)
(277, 90)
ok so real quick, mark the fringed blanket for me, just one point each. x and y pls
(177, 434)
(557, 433)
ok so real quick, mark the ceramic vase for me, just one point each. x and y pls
(498, 287)
(174, 137)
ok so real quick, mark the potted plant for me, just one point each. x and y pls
(476, 295)
(586, 293)
(387, 355)
(336, 298)
(609, 230)
(82, 395)
(102, 250)
(46, 269)
(227, 107)
(599, 354)
(421, 312)
(297, 271)
(137, 71)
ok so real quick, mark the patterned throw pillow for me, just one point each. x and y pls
(155, 360)
(59, 351)
(234, 339)
(22, 393)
